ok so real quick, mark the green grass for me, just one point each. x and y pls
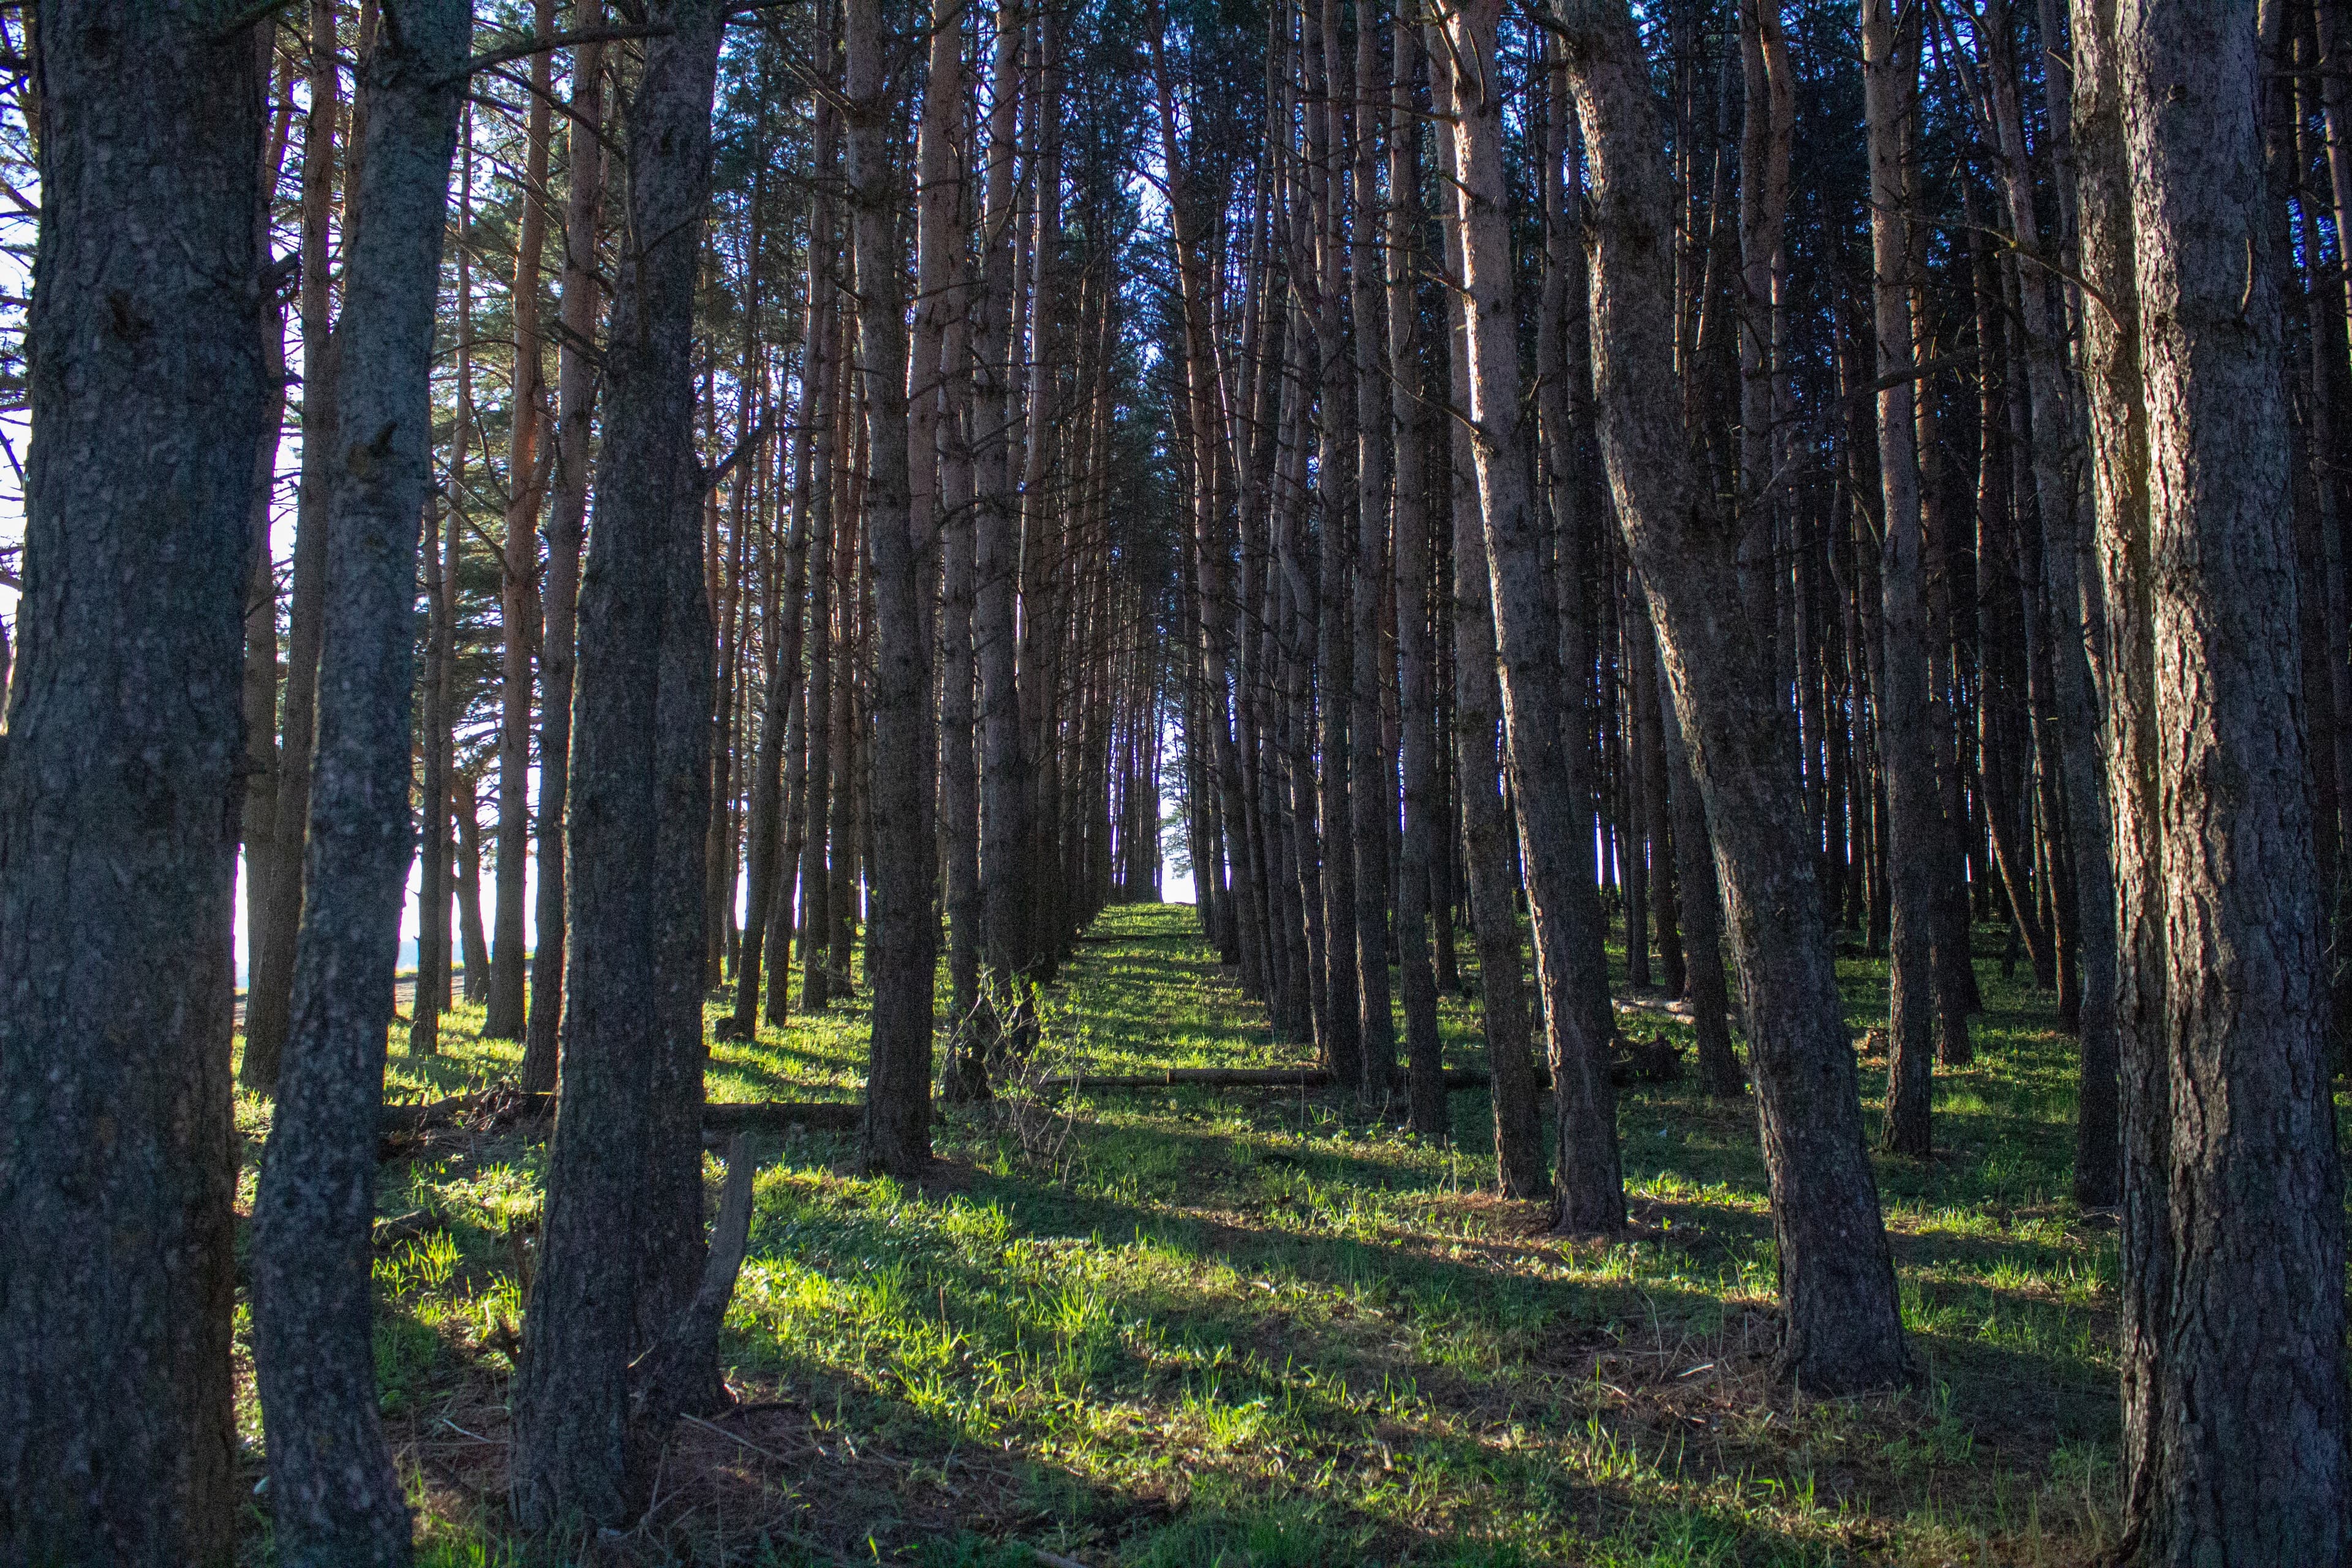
(1185, 1329)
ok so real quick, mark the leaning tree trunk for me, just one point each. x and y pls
(1837, 1278)
(1555, 830)
(588, 1424)
(2234, 1418)
(117, 793)
(575, 398)
(335, 1498)
(897, 1137)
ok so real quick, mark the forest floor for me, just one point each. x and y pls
(1261, 1329)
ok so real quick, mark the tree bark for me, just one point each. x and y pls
(270, 947)
(585, 1431)
(1844, 1325)
(519, 628)
(1555, 837)
(897, 1137)
(2234, 1418)
(1416, 709)
(118, 835)
(567, 518)
(1890, 82)
(335, 1498)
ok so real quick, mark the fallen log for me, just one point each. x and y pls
(1235, 1077)
(498, 1109)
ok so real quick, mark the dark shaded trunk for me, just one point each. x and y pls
(575, 397)
(2234, 1398)
(1548, 791)
(519, 621)
(1837, 1279)
(335, 1498)
(622, 1232)
(1423, 836)
(1702, 908)
(897, 1137)
(269, 946)
(118, 838)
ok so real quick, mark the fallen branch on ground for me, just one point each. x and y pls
(498, 1109)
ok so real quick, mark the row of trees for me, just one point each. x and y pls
(1530, 464)
(1714, 472)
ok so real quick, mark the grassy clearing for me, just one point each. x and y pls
(1187, 1329)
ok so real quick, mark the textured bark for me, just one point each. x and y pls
(1555, 834)
(1003, 819)
(2076, 620)
(118, 839)
(2234, 1419)
(519, 624)
(959, 681)
(1720, 1071)
(1422, 837)
(575, 398)
(1477, 704)
(335, 1498)
(269, 988)
(902, 957)
(1373, 784)
(1890, 83)
(1837, 1279)
(816, 885)
(611, 1239)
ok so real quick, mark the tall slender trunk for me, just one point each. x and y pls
(996, 560)
(622, 1237)
(519, 628)
(1555, 842)
(1837, 1276)
(118, 840)
(1373, 776)
(270, 986)
(2076, 632)
(897, 1136)
(335, 1497)
(1423, 836)
(567, 518)
(1890, 79)
(1477, 712)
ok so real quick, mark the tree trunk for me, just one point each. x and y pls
(1416, 710)
(269, 946)
(897, 1137)
(1837, 1279)
(335, 1498)
(576, 399)
(519, 628)
(1556, 840)
(2234, 1317)
(1890, 79)
(583, 1447)
(117, 838)
(1373, 781)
